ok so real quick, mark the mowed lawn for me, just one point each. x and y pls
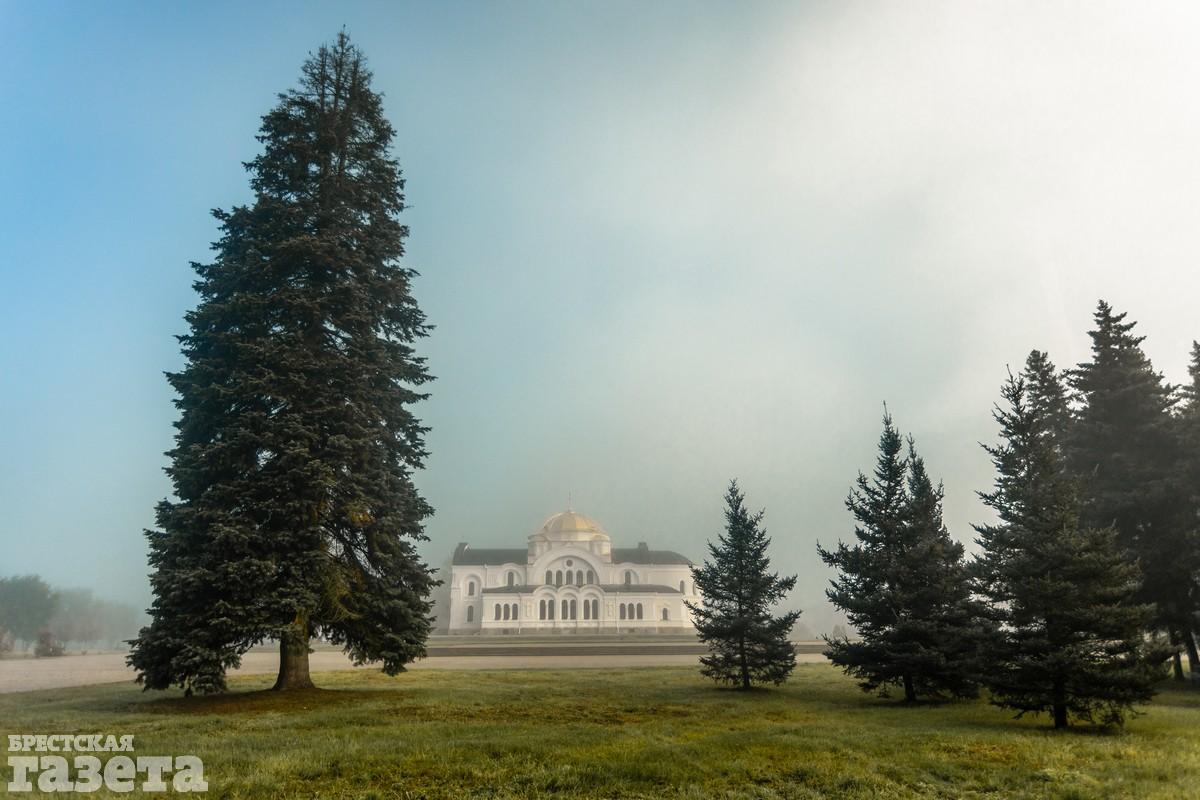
(595, 733)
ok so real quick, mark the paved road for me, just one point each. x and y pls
(27, 674)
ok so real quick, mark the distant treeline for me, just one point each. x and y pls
(33, 613)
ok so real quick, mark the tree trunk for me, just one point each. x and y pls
(293, 657)
(1177, 666)
(745, 666)
(1060, 704)
(910, 692)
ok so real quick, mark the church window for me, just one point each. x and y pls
(512, 579)
(579, 578)
(628, 577)
(470, 613)
(666, 615)
(470, 588)
(558, 578)
(591, 577)
(507, 610)
(541, 609)
(639, 610)
(587, 610)
(622, 611)
(574, 610)
(549, 609)
(497, 611)
(682, 589)
(566, 610)
(515, 607)
(595, 609)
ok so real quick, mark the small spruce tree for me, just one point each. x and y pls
(1071, 641)
(904, 586)
(747, 645)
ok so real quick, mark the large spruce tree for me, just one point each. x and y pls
(747, 645)
(295, 513)
(1124, 450)
(1071, 641)
(904, 585)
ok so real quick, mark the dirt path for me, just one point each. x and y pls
(28, 674)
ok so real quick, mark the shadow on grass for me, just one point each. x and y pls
(265, 700)
(1177, 695)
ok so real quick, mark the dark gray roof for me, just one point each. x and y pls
(638, 588)
(493, 556)
(644, 555)
(607, 588)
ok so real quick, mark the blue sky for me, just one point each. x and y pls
(664, 244)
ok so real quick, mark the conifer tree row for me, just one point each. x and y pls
(295, 513)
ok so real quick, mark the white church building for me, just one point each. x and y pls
(570, 579)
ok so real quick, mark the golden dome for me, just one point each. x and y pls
(570, 526)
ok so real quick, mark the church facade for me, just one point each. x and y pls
(569, 578)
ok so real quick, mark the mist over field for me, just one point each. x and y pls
(662, 246)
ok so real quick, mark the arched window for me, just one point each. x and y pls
(497, 611)
(558, 578)
(628, 577)
(514, 607)
(622, 611)
(570, 578)
(591, 577)
(507, 610)
(549, 577)
(549, 609)
(470, 613)
(639, 610)
(579, 578)
(666, 616)
(512, 579)
(587, 610)
(566, 610)
(574, 610)
(541, 609)
(682, 588)
(595, 609)
(470, 588)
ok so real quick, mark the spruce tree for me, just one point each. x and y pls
(1048, 397)
(747, 645)
(1124, 451)
(1071, 641)
(295, 513)
(904, 585)
(1189, 475)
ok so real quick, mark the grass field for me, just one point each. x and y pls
(646, 733)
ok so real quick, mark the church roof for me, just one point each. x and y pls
(644, 555)
(488, 556)
(464, 554)
(607, 588)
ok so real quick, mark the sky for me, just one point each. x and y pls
(663, 244)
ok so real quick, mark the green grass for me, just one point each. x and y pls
(648, 733)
